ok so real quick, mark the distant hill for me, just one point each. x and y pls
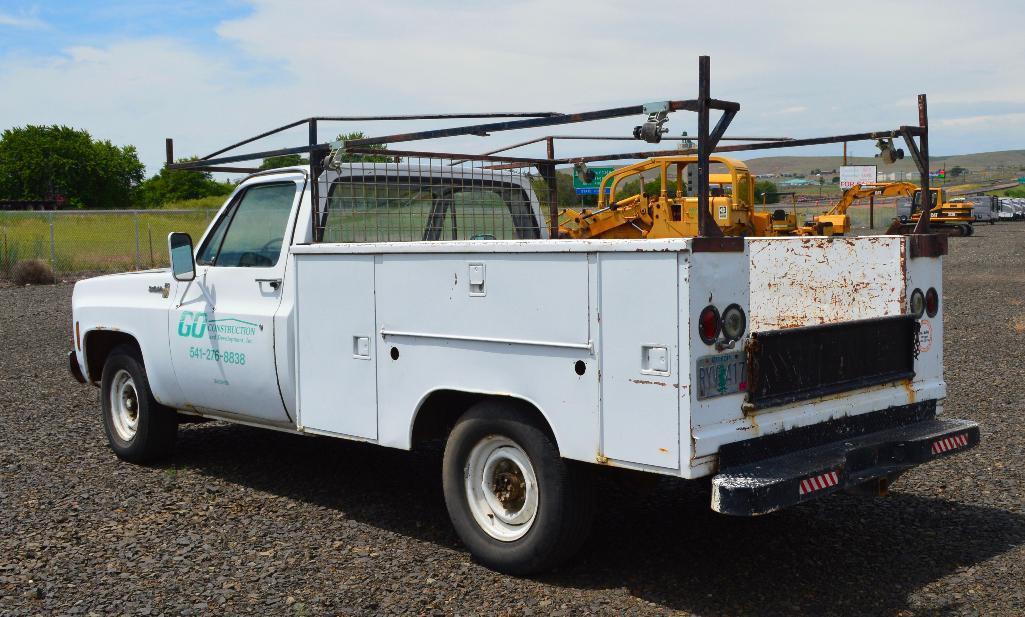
(1009, 160)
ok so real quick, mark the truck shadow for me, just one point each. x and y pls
(842, 555)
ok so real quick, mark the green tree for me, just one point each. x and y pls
(956, 171)
(285, 160)
(769, 188)
(44, 162)
(364, 158)
(178, 184)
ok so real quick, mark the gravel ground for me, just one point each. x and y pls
(244, 521)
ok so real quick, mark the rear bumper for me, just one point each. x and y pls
(74, 369)
(770, 484)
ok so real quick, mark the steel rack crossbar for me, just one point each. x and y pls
(707, 141)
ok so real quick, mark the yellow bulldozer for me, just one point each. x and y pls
(670, 213)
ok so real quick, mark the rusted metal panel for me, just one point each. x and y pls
(798, 282)
(718, 245)
(927, 245)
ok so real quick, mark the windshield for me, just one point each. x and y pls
(932, 199)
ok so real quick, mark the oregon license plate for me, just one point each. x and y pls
(722, 374)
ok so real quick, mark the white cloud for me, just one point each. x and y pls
(793, 109)
(21, 21)
(990, 120)
(805, 71)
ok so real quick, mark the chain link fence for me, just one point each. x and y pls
(95, 241)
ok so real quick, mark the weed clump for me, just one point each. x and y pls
(32, 272)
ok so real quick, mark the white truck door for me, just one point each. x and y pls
(222, 326)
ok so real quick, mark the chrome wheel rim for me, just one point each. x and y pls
(124, 405)
(501, 488)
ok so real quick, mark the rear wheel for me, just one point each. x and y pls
(138, 428)
(516, 504)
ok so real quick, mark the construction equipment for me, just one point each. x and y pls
(667, 211)
(836, 222)
(953, 218)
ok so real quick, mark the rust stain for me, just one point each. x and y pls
(601, 459)
(910, 389)
(645, 382)
(664, 450)
(753, 419)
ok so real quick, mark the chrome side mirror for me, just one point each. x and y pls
(183, 261)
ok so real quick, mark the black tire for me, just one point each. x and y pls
(156, 426)
(564, 491)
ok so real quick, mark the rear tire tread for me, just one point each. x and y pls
(565, 514)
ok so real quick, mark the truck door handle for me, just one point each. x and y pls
(274, 283)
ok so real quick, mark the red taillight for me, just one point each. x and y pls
(709, 324)
(932, 302)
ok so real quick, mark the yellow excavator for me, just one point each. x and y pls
(836, 218)
(953, 218)
(670, 213)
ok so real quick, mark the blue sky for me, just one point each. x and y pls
(37, 28)
(208, 73)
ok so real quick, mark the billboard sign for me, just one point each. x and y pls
(856, 174)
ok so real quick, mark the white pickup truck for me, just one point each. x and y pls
(784, 369)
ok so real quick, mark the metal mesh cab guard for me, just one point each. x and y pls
(426, 198)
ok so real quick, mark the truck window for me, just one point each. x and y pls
(208, 252)
(396, 207)
(251, 233)
(473, 214)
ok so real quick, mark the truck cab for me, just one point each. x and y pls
(221, 343)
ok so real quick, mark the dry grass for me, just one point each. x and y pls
(32, 272)
(1018, 325)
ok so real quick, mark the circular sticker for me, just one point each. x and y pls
(924, 336)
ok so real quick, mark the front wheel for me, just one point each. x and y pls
(516, 504)
(138, 428)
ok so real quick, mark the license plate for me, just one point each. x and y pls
(722, 374)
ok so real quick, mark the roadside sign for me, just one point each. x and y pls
(856, 174)
(1021, 180)
(591, 188)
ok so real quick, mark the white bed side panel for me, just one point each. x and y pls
(540, 297)
(519, 332)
